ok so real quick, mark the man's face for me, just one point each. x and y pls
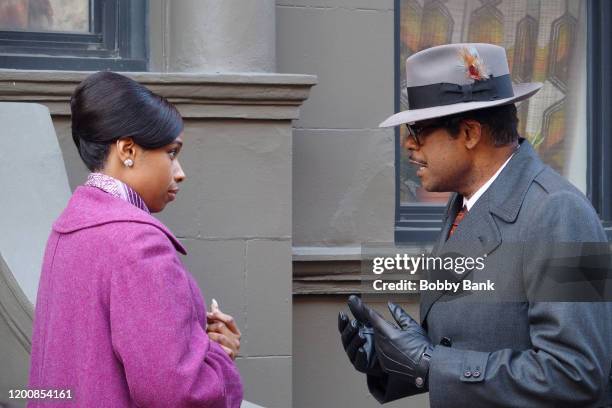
(443, 163)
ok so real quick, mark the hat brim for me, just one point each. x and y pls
(521, 92)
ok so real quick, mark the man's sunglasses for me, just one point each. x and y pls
(417, 131)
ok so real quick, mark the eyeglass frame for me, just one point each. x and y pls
(420, 129)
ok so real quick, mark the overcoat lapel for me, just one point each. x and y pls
(454, 205)
(476, 236)
(479, 233)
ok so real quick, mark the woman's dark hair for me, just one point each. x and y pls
(107, 106)
(502, 122)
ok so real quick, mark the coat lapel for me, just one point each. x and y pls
(454, 205)
(479, 232)
(476, 236)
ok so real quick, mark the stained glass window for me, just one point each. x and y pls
(545, 41)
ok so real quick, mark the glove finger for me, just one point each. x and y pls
(380, 325)
(350, 331)
(402, 318)
(343, 320)
(359, 309)
(354, 345)
(361, 360)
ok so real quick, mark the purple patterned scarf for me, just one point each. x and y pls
(116, 188)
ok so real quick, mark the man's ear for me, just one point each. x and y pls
(126, 148)
(472, 129)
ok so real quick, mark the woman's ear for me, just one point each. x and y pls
(126, 149)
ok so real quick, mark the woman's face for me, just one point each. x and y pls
(155, 174)
(161, 173)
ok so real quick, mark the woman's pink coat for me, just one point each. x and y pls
(118, 320)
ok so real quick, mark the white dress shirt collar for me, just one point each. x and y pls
(469, 203)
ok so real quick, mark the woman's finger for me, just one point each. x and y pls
(225, 318)
(229, 352)
(217, 314)
(229, 338)
(225, 340)
(214, 326)
(219, 327)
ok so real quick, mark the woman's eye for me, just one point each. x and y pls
(172, 154)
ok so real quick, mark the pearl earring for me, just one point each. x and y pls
(128, 162)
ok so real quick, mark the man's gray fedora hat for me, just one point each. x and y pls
(455, 78)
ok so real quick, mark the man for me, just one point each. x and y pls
(529, 348)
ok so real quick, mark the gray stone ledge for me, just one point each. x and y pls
(254, 96)
(329, 271)
(327, 277)
(336, 253)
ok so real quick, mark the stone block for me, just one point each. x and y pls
(240, 183)
(268, 296)
(219, 269)
(323, 377)
(343, 187)
(354, 64)
(267, 380)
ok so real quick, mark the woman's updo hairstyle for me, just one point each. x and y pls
(107, 107)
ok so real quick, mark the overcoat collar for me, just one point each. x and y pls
(479, 233)
(90, 206)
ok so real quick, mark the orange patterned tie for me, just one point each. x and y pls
(458, 219)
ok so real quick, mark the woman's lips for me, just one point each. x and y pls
(172, 194)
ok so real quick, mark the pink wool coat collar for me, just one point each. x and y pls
(87, 214)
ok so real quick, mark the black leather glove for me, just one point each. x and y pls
(405, 350)
(358, 339)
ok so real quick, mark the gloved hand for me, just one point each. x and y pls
(358, 339)
(405, 350)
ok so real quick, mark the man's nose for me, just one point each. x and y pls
(410, 143)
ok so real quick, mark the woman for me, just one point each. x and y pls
(119, 322)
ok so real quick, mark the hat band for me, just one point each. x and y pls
(445, 93)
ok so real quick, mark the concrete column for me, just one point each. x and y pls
(213, 36)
